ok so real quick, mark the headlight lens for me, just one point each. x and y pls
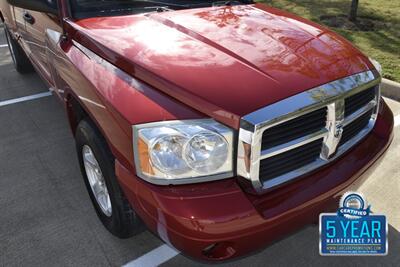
(206, 152)
(165, 154)
(176, 152)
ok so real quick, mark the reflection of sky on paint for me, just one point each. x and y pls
(247, 36)
(265, 40)
(147, 39)
(272, 42)
(176, 47)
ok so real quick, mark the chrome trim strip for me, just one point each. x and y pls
(360, 112)
(293, 144)
(311, 100)
(330, 95)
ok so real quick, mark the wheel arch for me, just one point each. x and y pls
(75, 112)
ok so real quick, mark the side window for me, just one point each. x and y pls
(45, 6)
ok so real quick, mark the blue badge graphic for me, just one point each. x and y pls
(353, 230)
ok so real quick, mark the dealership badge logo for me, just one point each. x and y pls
(353, 230)
(352, 206)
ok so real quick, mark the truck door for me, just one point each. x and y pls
(37, 24)
(19, 21)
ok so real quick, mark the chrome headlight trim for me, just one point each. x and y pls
(225, 171)
(376, 64)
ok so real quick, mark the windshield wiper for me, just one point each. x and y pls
(232, 2)
(165, 4)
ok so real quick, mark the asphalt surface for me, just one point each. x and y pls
(47, 218)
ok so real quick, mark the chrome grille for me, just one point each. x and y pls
(352, 129)
(359, 100)
(290, 160)
(294, 128)
(288, 139)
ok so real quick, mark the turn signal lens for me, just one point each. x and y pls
(144, 154)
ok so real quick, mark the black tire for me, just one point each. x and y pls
(21, 61)
(123, 221)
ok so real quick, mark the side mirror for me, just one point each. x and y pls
(45, 6)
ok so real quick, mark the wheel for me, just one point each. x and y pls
(97, 166)
(20, 60)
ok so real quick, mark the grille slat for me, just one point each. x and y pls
(301, 126)
(312, 116)
(291, 160)
(276, 134)
(357, 101)
(352, 129)
(273, 171)
(302, 151)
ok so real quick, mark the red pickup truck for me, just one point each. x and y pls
(221, 126)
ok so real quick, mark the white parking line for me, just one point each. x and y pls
(23, 99)
(3, 45)
(397, 121)
(154, 257)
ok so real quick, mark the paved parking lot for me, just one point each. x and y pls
(47, 218)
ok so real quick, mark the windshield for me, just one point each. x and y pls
(96, 8)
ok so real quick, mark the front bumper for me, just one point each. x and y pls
(221, 220)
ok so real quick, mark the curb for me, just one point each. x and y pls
(390, 89)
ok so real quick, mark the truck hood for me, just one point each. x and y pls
(223, 61)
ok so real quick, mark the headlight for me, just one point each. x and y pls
(176, 152)
(377, 65)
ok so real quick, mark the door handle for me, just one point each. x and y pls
(28, 18)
